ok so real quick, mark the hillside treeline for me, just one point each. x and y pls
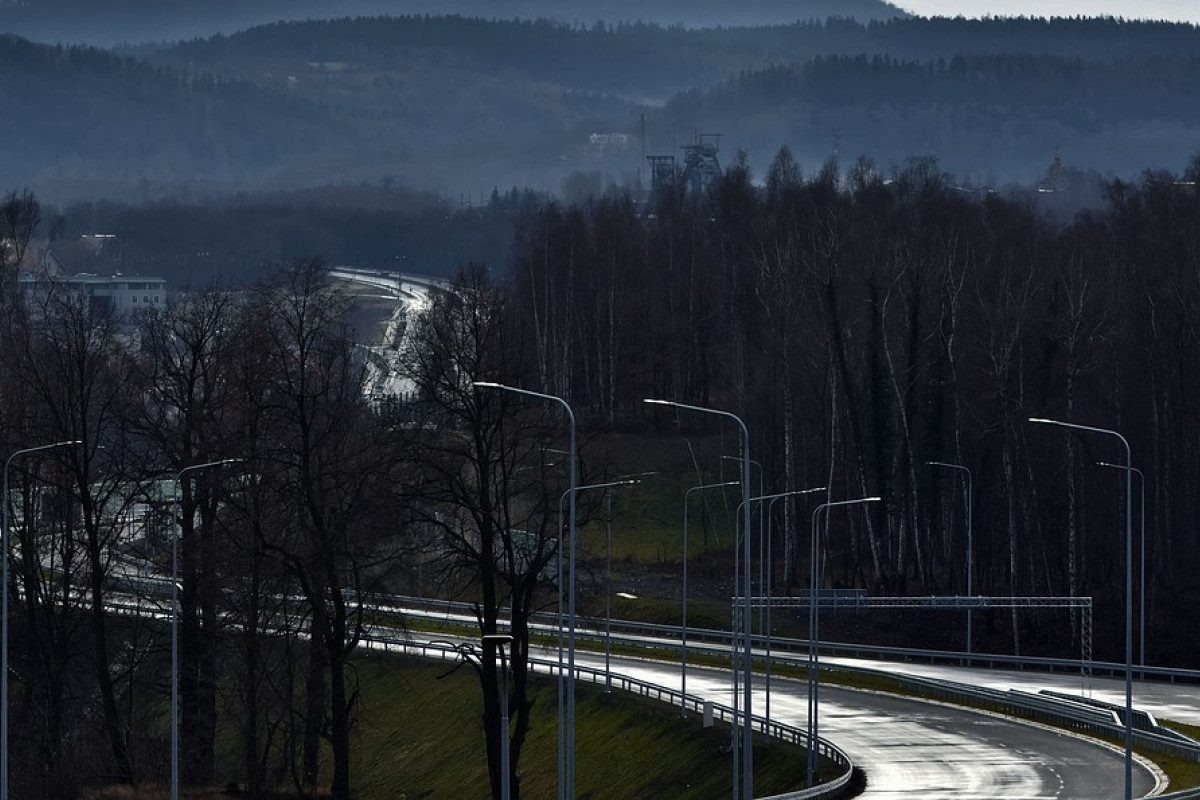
(865, 327)
(192, 244)
(128, 21)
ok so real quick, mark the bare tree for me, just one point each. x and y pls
(326, 457)
(485, 484)
(185, 364)
(82, 378)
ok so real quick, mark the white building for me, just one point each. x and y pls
(115, 294)
(120, 294)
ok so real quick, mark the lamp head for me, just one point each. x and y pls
(496, 638)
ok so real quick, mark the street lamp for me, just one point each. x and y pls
(175, 613)
(772, 498)
(561, 498)
(763, 614)
(567, 777)
(608, 576)
(970, 547)
(683, 659)
(4, 612)
(814, 635)
(498, 640)
(1128, 467)
(747, 733)
(1141, 561)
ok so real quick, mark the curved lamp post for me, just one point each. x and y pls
(1141, 562)
(763, 613)
(814, 635)
(772, 498)
(4, 499)
(970, 546)
(1128, 467)
(747, 737)
(629, 481)
(561, 498)
(683, 653)
(567, 777)
(175, 612)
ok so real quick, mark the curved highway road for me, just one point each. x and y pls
(916, 749)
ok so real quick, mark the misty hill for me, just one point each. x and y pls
(993, 99)
(461, 105)
(988, 118)
(81, 116)
(112, 22)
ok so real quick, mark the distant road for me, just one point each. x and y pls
(412, 293)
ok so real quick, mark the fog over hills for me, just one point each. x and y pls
(461, 106)
(108, 23)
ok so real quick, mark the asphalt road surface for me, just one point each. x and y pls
(1166, 701)
(915, 749)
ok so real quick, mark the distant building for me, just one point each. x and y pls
(121, 294)
(607, 143)
(1057, 178)
(701, 166)
(115, 294)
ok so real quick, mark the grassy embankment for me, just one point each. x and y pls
(419, 737)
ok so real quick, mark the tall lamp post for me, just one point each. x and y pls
(1141, 562)
(499, 640)
(683, 657)
(814, 635)
(4, 612)
(747, 732)
(772, 498)
(970, 546)
(561, 727)
(175, 612)
(1128, 467)
(763, 614)
(608, 577)
(568, 777)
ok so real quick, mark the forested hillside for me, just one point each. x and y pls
(990, 118)
(460, 105)
(80, 119)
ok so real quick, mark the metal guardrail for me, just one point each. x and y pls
(671, 697)
(1061, 712)
(1069, 712)
(1183, 794)
(845, 649)
(1071, 715)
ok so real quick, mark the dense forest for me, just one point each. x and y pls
(864, 327)
(460, 105)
